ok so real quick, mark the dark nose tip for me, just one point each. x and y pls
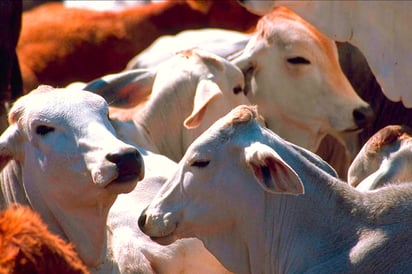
(142, 220)
(363, 116)
(129, 163)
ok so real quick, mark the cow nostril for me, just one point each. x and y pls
(129, 163)
(142, 220)
(364, 116)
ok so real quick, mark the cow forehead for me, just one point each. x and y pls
(290, 29)
(229, 130)
(59, 105)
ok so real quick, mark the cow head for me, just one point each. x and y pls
(293, 75)
(383, 159)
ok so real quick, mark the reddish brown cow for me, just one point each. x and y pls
(27, 246)
(60, 45)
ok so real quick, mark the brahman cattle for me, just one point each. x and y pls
(379, 29)
(65, 161)
(297, 82)
(293, 74)
(260, 206)
(60, 155)
(190, 92)
(385, 158)
(129, 242)
(228, 44)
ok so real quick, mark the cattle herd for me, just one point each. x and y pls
(234, 136)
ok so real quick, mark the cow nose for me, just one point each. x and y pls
(363, 116)
(129, 163)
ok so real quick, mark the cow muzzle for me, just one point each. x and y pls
(158, 228)
(129, 164)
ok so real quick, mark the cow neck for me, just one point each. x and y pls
(314, 227)
(89, 233)
(163, 117)
(12, 190)
(87, 229)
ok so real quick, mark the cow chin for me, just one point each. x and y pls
(165, 240)
(119, 187)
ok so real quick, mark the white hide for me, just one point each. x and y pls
(135, 251)
(260, 206)
(60, 155)
(222, 42)
(380, 29)
(190, 91)
(293, 74)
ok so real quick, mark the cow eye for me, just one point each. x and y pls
(200, 163)
(298, 61)
(43, 130)
(237, 89)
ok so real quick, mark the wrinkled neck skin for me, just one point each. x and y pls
(163, 118)
(87, 229)
(84, 227)
(12, 192)
(288, 237)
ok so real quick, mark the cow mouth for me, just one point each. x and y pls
(124, 183)
(125, 178)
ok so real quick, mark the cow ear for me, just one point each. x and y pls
(272, 173)
(8, 140)
(206, 91)
(126, 89)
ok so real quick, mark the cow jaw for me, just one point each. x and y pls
(159, 227)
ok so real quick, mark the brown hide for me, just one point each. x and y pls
(59, 45)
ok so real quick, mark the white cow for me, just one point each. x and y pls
(64, 160)
(190, 92)
(380, 29)
(297, 82)
(129, 242)
(60, 155)
(385, 158)
(260, 207)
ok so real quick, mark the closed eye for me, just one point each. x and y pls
(200, 163)
(43, 130)
(298, 61)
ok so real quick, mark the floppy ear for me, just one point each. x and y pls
(272, 173)
(126, 89)
(206, 91)
(8, 147)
